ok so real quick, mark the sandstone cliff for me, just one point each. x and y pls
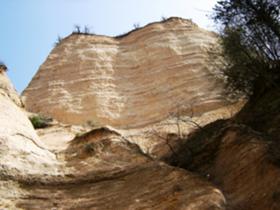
(20, 145)
(128, 81)
(149, 97)
(97, 170)
(100, 169)
(7, 89)
(22, 154)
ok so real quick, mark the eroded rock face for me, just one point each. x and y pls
(238, 160)
(107, 172)
(20, 147)
(137, 189)
(99, 169)
(152, 86)
(7, 89)
(245, 172)
(22, 154)
(130, 81)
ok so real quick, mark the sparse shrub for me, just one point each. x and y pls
(3, 66)
(39, 121)
(89, 148)
(163, 18)
(86, 30)
(58, 41)
(136, 25)
(91, 123)
(77, 29)
(80, 134)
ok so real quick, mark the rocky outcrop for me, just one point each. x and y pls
(7, 89)
(240, 161)
(21, 148)
(22, 154)
(99, 169)
(151, 186)
(128, 81)
(156, 93)
(244, 170)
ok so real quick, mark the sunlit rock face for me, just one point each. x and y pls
(128, 81)
(22, 154)
(21, 151)
(7, 89)
(97, 170)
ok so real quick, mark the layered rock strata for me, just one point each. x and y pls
(128, 81)
(240, 161)
(96, 170)
(22, 154)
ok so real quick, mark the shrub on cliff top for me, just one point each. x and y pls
(58, 41)
(3, 67)
(85, 31)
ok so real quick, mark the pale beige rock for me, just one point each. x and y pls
(107, 172)
(7, 89)
(135, 85)
(127, 82)
(153, 139)
(21, 148)
(22, 154)
(97, 170)
(57, 136)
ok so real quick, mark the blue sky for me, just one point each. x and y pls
(31, 27)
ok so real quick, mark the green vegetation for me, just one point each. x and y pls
(250, 38)
(92, 123)
(39, 121)
(89, 148)
(80, 134)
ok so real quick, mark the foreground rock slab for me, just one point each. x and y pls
(153, 186)
(104, 171)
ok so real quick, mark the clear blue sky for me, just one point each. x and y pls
(30, 27)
